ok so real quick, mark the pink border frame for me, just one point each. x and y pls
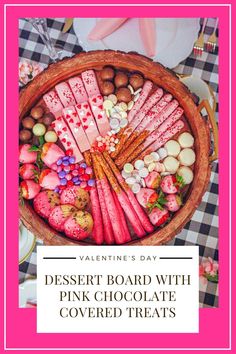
(214, 323)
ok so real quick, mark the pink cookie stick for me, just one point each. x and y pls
(122, 217)
(77, 87)
(140, 101)
(65, 94)
(156, 110)
(108, 232)
(53, 102)
(66, 137)
(73, 121)
(176, 115)
(96, 104)
(86, 118)
(176, 128)
(90, 82)
(112, 211)
(98, 232)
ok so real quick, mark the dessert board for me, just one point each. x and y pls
(113, 150)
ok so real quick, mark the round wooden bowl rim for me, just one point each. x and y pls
(69, 67)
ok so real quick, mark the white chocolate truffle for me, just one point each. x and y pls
(186, 140)
(171, 164)
(186, 173)
(187, 157)
(173, 148)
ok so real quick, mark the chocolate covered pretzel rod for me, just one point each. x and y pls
(151, 101)
(138, 209)
(122, 197)
(154, 124)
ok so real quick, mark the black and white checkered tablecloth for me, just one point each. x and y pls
(202, 230)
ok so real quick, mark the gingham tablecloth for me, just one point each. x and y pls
(202, 230)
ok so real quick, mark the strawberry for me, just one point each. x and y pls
(146, 197)
(45, 201)
(49, 179)
(28, 171)
(173, 202)
(51, 153)
(27, 156)
(29, 189)
(158, 216)
(168, 184)
(153, 180)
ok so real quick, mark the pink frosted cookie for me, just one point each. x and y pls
(96, 103)
(45, 201)
(76, 128)
(66, 137)
(79, 225)
(65, 94)
(87, 120)
(77, 87)
(52, 101)
(90, 82)
(59, 215)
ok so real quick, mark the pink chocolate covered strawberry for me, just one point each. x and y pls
(59, 215)
(26, 156)
(153, 180)
(45, 201)
(51, 153)
(76, 196)
(79, 225)
(49, 179)
(168, 184)
(146, 197)
(28, 171)
(29, 189)
(173, 202)
(158, 216)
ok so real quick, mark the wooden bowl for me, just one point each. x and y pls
(33, 92)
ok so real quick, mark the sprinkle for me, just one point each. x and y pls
(136, 97)
(139, 90)
(131, 89)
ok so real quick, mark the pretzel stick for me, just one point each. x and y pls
(122, 197)
(108, 231)
(98, 233)
(115, 219)
(137, 207)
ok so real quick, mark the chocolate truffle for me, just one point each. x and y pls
(136, 81)
(121, 80)
(28, 122)
(25, 135)
(107, 88)
(37, 112)
(107, 73)
(48, 118)
(123, 94)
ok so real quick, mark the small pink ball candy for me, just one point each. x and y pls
(26, 156)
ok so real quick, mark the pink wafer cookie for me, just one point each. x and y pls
(78, 89)
(73, 121)
(65, 94)
(87, 120)
(52, 101)
(96, 103)
(90, 82)
(66, 137)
